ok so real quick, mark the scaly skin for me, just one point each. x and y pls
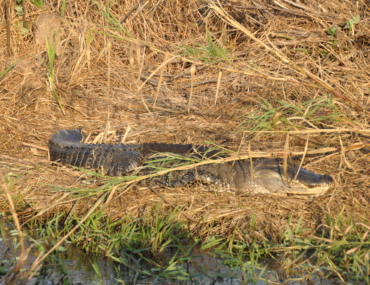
(115, 159)
(266, 176)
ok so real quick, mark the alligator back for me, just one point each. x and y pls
(67, 147)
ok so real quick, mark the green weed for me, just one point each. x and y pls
(51, 51)
(282, 114)
(38, 3)
(340, 247)
(210, 53)
(350, 24)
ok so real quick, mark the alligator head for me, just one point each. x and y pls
(270, 174)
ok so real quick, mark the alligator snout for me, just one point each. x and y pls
(328, 179)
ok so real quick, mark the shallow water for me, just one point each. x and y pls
(199, 268)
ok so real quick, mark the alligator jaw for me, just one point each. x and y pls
(301, 189)
(309, 183)
(270, 175)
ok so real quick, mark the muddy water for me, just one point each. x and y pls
(203, 268)
(77, 265)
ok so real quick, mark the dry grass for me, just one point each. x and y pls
(136, 75)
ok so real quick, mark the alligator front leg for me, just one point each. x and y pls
(124, 163)
(181, 178)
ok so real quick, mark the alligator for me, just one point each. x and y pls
(259, 176)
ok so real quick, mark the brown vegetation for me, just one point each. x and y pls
(138, 74)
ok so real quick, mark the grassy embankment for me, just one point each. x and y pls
(283, 79)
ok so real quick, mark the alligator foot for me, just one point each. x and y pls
(124, 163)
(181, 179)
